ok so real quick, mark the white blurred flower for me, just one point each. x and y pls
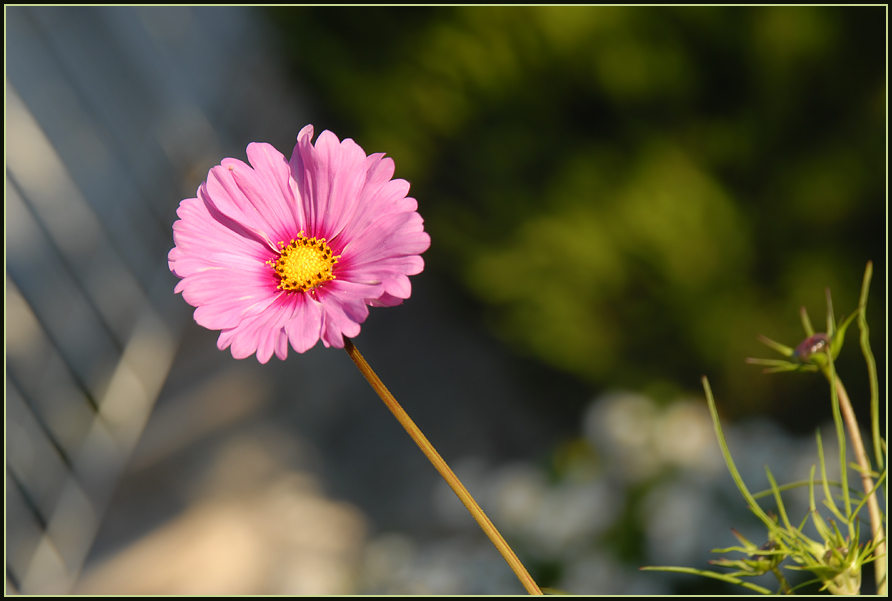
(518, 493)
(621, 424)
(571, 516)
(681, 523)
(684, 436)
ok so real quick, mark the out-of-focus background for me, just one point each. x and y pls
(620, 200)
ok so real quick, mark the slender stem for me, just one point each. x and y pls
(785, 588)
(841, 424)
(873, 507)
(871, 368)
(448, 475)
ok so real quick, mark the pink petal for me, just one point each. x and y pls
(305, 328)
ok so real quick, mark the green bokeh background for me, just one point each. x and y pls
(630, 195)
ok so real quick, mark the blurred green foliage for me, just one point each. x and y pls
(633, 194)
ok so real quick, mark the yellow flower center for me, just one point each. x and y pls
(304, 263)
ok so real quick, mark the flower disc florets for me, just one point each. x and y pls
(304, 264)
(292, 252)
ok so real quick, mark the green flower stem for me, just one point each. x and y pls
(873, 507)
(448, 475)
(785, 588)
(871, 368)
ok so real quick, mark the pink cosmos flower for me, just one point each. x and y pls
(296, 251)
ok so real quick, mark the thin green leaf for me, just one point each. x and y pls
(820, 525)
(780, 365)
(828, 497)
(707, 574)
(770, 362)
(791, 486)
(831, 321)
(754, 506)
(736, 549)
(775, 370)
(806, 322)
(839, 336)
(782, 349)
(840, 435)
(777, 499)
(866, 497)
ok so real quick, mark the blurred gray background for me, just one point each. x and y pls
(142, 460)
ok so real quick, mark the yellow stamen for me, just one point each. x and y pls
(304, 263)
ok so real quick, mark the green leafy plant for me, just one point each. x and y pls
(837, 556)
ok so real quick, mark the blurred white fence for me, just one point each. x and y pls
(113, 115)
